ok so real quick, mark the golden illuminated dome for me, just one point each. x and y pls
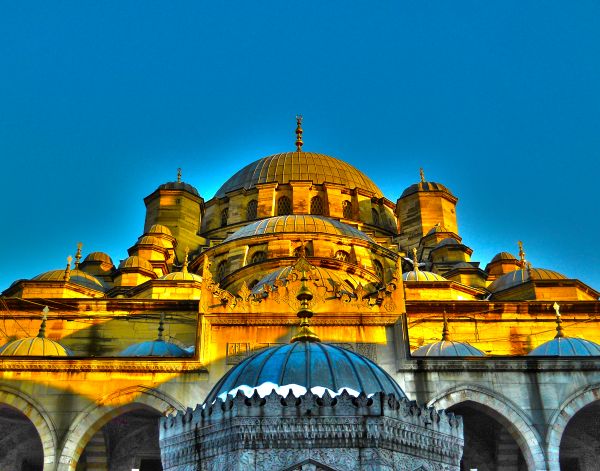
(300, 223)
(33, 347)
(76, 276)
(282, 168)
(98, 257)
(424, 186)
(134, 263)
(159, 229)
(518, 277)
(420, 275)
(503, 256)
(181, 276)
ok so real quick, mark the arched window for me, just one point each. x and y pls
(224, 216)
(378, 267)
(342, 255)
(316, 205)
(259, 256)
(284, 206)
(347, 209)
(251, 210)
(375, 216)
(222, 270)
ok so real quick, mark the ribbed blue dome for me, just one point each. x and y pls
(447, 348)
(567, 347)
(154, 348)
(310, 365)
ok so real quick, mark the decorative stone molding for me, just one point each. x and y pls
(84, 365)
(275, 432)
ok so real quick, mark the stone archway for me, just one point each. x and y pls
(93, 418)
(508, 414)
(39, 418)
(558, 422)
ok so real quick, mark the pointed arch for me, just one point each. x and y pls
(506, 412)
(40, 419)
(93, 418)
(559, 420)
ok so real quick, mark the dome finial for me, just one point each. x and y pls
(299, 142)
(78, 255)
(522, 261)
(42, 333)
(559, 329)
(415, 260)
(422, 174)
(67, 275)
(161, 327)
(304, 296)
(445, 329)
(184, 269)
(179, 175)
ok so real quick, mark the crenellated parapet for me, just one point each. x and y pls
(343, 431)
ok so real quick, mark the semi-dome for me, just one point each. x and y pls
(76, 276)
(298, 223)
(566, 347)
(154, 348)
(425, 186)
(305, 366)
(421, 275)
(447, 348)
(289, 166)
(518, 277)
(329, 277)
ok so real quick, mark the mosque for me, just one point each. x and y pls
(300, 320)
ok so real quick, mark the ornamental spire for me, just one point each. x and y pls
(67, 275)
(179, 175)
(415, 260)
(522, 261)
(445, 330)
(184, 269)
(161, 327)
(78, 255)
(42, 333)
(422, 175)
(299, 142)
(559, 329)
(305, 334)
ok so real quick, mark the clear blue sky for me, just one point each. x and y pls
(100, 102)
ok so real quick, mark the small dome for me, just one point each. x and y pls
(502, 256)
(135, 262)
(150, 240)
(33, 347)
(420, 275)
(98, 257)
(181, 276)
(518, 277)
(462, 265)
(154, 348)
(328, 276)
(447, 348)
(425, 186)
(446, 242)
(301, 224)
(282, 168)
(566, 347)
(181, 186)
(76, 276)
(309, 366)
(159, 229)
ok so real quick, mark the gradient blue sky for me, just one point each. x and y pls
(100, 102)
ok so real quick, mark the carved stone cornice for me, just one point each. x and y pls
(102, 365)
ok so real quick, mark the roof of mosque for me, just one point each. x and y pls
(567, 346)
(98, 257)
(34, 346)
(159, 229)
(135, 261)
(181, 276)
(288, 166)
(504, 256)
(518, 277)
(425, 186)
(179, 186)
(76, 276)
(420, 275)
(154, 348)
(298, 223)
(447, 348)
(313, 366)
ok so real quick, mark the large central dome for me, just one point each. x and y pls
(282, 168)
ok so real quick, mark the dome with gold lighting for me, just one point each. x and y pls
(289, 166)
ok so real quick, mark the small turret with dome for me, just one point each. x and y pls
(39, 345)
(447, 347)
(563, 346)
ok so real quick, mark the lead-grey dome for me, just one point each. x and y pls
(566, 347)
(309, 365)
(447, 348)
